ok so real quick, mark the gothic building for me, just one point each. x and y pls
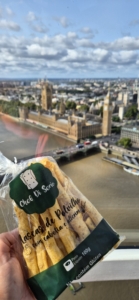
(107, 115)
(46, 96)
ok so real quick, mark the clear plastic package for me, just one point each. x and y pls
(62, 233)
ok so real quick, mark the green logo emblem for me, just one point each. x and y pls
(34, 189)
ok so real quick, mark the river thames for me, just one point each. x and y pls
(114, 193)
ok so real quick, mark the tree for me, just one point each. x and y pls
(30, 105)
(131, 112)
(84, 107)
(70, 105)
(101, 111)
(55, 104)
(116, 130)
(115, 119)
(95, 102)
(125, 142)
(10, 108)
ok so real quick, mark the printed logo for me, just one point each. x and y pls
(29, 179)
(35, 189)
(68, 265)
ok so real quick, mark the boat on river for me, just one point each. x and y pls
(131, 171)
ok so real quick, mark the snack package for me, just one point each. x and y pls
(62, 233)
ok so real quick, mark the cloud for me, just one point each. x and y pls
(35, 23)
(67, 54)
(39, 28)
(125, 43)
(101, 55)
(124, 57)
(59, 41)
(4, 24)
(134, 22)
(75, 56)
(85, 43)
(37, 51)
(63, 21)
(9, 11)
(1, 12)
(86, 30)
(31, 17)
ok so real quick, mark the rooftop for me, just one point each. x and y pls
(131, 127)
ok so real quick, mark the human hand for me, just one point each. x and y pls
(13, 284)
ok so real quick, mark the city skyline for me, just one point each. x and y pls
(69, 39)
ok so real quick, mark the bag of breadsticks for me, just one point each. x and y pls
(62, 233)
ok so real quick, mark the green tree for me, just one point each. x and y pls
(84, 107)
(131, 112)
(70, 105)
(30, 105)
(95, 102)
(125, 142)
(116, 130)
(101, 111)
(115, 119)
(55, 104)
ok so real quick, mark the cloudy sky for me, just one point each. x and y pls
(69, 38)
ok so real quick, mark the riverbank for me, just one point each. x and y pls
(22, 140)
(47, 129)
(40, 126)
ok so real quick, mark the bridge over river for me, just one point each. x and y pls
(66, 152)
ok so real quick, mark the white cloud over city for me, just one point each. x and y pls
(39, 38)
(66, 52)
(9, 25)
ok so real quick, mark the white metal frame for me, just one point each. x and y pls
(120, 264)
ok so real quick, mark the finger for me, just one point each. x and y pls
(6, 242)
(7, 239)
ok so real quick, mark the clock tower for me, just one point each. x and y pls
(46, 96)
(107, 115)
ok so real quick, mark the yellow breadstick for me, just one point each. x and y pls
(22, 218)
(77, 223)
(60, 245)
(41, 254)
(90, 224)
(68, 185)
(67, 235)
(74, 216)
(51, 166)
(52, 249)
(28, 250)
(29, 255)
(93, 213)
(64, 234)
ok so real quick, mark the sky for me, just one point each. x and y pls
(69, 39)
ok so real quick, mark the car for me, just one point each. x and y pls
(87, 143)
(94, 143)
(60, 151)
(80, 146)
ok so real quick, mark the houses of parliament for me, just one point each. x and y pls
(70, 124)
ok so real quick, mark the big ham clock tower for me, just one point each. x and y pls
(107, 115)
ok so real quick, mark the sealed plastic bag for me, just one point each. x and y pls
(62, 233)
